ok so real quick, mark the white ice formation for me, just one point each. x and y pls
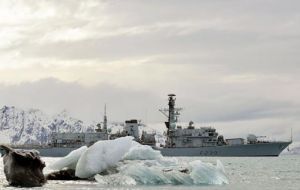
(69, 161)
(125, 162)
(142, 152)
(154, 173)
(102, 155)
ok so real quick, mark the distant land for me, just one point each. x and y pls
(18, 126)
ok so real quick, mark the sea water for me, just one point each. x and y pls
(244, 173)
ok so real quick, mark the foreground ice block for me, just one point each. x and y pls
(142, 152)
(69, 161)
(101, 155)
(155, 172)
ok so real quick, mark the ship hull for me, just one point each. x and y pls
(246, 150)
(55, 151)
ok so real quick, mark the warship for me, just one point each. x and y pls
(205, 141)
(180, 141)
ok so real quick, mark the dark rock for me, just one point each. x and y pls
(68, 174)
(23, 168)
(186, 171)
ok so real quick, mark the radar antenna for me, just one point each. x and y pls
(172, 113)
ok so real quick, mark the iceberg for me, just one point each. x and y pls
(155, 173)
(69, 161)
(206, 173)
(125, 162)
(142, 165)
(142, 152)
(102, 155)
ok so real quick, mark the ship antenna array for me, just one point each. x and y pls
(165, 111)
(172, 113)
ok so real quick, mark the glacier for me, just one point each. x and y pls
(125, 162)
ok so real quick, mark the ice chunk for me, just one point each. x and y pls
(70, 160)
(154, 172)
(102, 155)
(141, 165)
(206, 173)
(142, 152)
(146, 174)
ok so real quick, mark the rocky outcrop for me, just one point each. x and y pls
(35, 127)
(23, 168)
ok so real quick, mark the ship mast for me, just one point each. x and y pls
(172, 113)
(105, 120)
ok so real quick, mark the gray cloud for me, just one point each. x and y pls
(87, 103)
(230, 62)
(243, 36)
(82, 102)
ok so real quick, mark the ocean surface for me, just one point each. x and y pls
(242, 173)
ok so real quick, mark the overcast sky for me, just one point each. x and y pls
(234, 64)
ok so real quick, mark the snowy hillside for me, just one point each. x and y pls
(32, 126)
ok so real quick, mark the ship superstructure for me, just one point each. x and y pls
(132, 128)
(189, 136)
(81, 139)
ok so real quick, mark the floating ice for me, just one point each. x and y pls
(206, 173)
(154, 173)
(142, 152)
(69, 161)
(140, 165)
(102, 155)
(144, 166)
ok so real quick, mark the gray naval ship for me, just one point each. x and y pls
(205, 141)
(180, 141)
